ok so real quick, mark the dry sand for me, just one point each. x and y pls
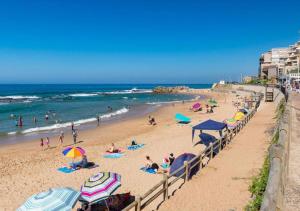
(25, 169)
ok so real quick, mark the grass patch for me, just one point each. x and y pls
(258, 187)
(259, 182)
(280, 109)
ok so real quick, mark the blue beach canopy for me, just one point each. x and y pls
(54, 199)
(209, 125)
(179, 162)
(182, 119)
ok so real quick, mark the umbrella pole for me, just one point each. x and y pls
(106, 204)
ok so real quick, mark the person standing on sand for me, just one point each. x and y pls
(42, 143)
(98, 120)
(72, 126)
(61, 138)
(48, 142)
(75, 134)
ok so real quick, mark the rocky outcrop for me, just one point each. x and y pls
(170, 90)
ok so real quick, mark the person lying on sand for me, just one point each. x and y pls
(112, 149)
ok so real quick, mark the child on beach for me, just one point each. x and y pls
(42, 143)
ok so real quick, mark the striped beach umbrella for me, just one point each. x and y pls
(100, 186)
(73, 152)
(54, 199)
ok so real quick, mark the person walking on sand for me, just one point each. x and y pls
(75, 134)
(42, 143)
(48, 142)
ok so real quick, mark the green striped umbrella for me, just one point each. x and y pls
(54, 199)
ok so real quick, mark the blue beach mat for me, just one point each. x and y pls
(65, 170)
(113, 155)
(135, 147)
(148, 170)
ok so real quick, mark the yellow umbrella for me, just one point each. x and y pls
(239, 116)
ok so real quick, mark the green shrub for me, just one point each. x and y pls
(258, 187)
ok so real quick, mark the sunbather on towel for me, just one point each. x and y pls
(113, 149)
(151, 165)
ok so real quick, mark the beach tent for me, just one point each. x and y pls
(196, 107)
(239, 116)
(54, 199)
(182, 119)
(209, 125)
(207, 139)
(179, 162)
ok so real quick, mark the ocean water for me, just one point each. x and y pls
(73, 103)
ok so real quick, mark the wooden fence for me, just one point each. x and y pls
(162, 188)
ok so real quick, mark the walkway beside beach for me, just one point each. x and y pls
(292, 192)
(223, 184)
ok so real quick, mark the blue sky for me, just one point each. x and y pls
(139, 41)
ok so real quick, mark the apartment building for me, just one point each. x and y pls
(279, 62)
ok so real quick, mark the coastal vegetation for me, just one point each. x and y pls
(259, 182)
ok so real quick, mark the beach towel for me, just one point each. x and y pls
(135, 147)
(182, 119)
(165, 165)
(65, 170)
(148, 170)
(113, 155)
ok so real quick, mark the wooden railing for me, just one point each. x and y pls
(141, 202)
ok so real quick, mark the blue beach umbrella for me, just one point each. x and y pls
(62, 199)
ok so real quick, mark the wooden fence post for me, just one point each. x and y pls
(165, 186)
(200, 161)
(211, 150)
(139, 203)
(186, 171)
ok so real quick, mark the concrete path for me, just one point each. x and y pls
(292, 192)
(223, 184)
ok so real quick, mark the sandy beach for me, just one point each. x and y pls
(26, 169)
